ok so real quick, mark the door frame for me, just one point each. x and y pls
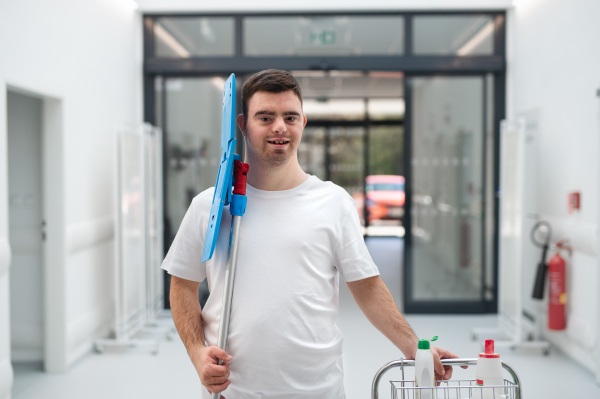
(53, 247)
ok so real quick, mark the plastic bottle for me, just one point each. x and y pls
(489, 373)
(424, 371)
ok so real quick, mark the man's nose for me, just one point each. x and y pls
(279, 125)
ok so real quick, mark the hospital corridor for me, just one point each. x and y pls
(453, 145)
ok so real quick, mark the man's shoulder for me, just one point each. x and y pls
(329, 186)
(203, 200)
(331, 191)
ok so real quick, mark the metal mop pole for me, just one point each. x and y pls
(237, 208)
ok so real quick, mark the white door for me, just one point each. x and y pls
(24, 117)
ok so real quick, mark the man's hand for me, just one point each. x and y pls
(442, 372)
(212, 375)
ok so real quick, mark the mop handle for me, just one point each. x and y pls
(237, 209)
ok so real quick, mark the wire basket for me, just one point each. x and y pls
(450, 389)
(454, 389)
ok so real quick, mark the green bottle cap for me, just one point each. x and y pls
(424, 343)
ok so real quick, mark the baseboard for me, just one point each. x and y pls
(579, 354)
(6, 379)
(26, 355)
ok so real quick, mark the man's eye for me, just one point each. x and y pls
(291, 118)
(264, 119)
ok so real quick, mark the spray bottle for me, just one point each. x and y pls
(424, 371)
(489, 373)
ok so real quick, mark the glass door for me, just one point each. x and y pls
(448, 125)
(335, 153)
(189, 111)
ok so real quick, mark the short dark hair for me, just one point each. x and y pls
(269, 80)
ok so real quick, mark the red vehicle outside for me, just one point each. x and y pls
(385, 198)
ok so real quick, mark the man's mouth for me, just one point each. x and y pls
(278, 142)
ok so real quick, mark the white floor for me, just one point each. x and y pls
(135, 373)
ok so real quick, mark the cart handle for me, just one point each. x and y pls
(446, 362)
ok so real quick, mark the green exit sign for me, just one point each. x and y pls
(322, 37)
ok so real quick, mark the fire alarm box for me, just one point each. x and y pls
(574, 201)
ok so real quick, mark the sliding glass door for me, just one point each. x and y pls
(449, 128)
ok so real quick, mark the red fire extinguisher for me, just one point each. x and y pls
(557, 295)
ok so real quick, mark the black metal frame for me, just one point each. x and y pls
(408, 63)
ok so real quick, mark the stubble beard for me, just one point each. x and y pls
(277, 158)
(272, 158)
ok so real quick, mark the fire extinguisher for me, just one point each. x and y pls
(557, 295)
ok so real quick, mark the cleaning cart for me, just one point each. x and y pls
(405, 388)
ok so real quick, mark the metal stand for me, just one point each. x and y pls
(130, 249)
(509, 343)
(514, 178)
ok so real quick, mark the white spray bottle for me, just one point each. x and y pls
(424, 371)
(489, 373)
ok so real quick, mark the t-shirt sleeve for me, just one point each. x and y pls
(351, 255)
(184, 258)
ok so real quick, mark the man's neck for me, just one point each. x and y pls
(284, 177)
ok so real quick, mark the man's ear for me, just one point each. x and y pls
(305, 120)
(241, 122)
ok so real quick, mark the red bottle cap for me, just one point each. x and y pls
(489, 350)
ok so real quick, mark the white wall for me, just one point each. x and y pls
(554, 71)
(84, 60)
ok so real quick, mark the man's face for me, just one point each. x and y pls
(273, 129)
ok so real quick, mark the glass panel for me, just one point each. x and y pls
(335, 110)
(385, 183)
(193, 129)
(350, 84)
(386, 108)
(185, 37)
(158, 100)
(447, 171)
(323, 35)
(453, 35)
(312, 153)
(346, 156)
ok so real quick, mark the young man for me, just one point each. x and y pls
(297, 236)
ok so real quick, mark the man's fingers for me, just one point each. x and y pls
(447, 373)
(217, 378)
(437, 364)
(216, 370)
(215, 375)
(217, 353)
(215, 388)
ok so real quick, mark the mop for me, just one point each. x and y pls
(232, 173)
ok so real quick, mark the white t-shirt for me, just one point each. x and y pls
(282, 333)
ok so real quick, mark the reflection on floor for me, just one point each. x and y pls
(135, 373)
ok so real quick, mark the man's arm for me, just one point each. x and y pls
(187, 317)
(374, 299)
